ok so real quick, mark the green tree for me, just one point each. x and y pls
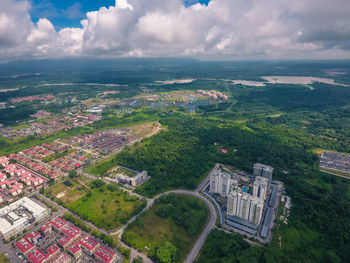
(112, 187)
(73, 174)
(97, 183)
(137, 260)
(166, 253)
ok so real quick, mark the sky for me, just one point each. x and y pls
(68, 13)
(204, 29)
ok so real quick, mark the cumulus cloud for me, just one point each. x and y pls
(222, 29)
(15, 22)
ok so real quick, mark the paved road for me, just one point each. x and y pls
(199, 243)
(206, 180)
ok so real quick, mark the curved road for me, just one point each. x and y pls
(197, 246)
(200, 241)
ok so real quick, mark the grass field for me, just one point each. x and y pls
(21, 126)
(3, 259)
(121, 170)
(145, 129)
(151, 230)
(107, 209)
(103, 166)
(68, 195)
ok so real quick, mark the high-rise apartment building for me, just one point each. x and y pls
(264, 171)
(245, 206)
(220, 183)
(260, 187)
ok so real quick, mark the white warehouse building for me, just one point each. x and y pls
(16, 217)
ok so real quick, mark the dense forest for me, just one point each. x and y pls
(181, 156)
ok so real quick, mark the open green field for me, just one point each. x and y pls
(107, 207)
(3, 259)
(180, 225)
(68, 194)
(121, 170)
(102, 167)
(21, 126)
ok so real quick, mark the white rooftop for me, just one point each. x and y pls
(13, 216)
(25, 202)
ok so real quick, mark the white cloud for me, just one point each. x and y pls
(15, 22)
(222, 29)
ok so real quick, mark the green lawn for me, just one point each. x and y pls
(3, 259)
(151, 230)
(107, 209)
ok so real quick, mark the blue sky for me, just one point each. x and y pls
(68, 13)
(228, 29)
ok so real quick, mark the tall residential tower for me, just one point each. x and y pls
(264, 171)
(220, 183)
(245, 206)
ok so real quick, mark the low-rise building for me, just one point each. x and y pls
(17, 216)
(75, 251)
(24, 246)
(137, 180)
(105, 255)
(89, 245)
(63, 258)
(71, 235)
(64, 244)
(4, 161)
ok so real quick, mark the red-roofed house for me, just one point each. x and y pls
(46, 229)
(63, 258)
(89, 245)
(75, 250)
(2, 177)
(3, 184)
(37, 256)
(33, 237)
(72, 234)
(58, 223)
(52, 252)
(4, 161)
(24, 246)
(105, 255)
(223, 150)
(13, 192)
